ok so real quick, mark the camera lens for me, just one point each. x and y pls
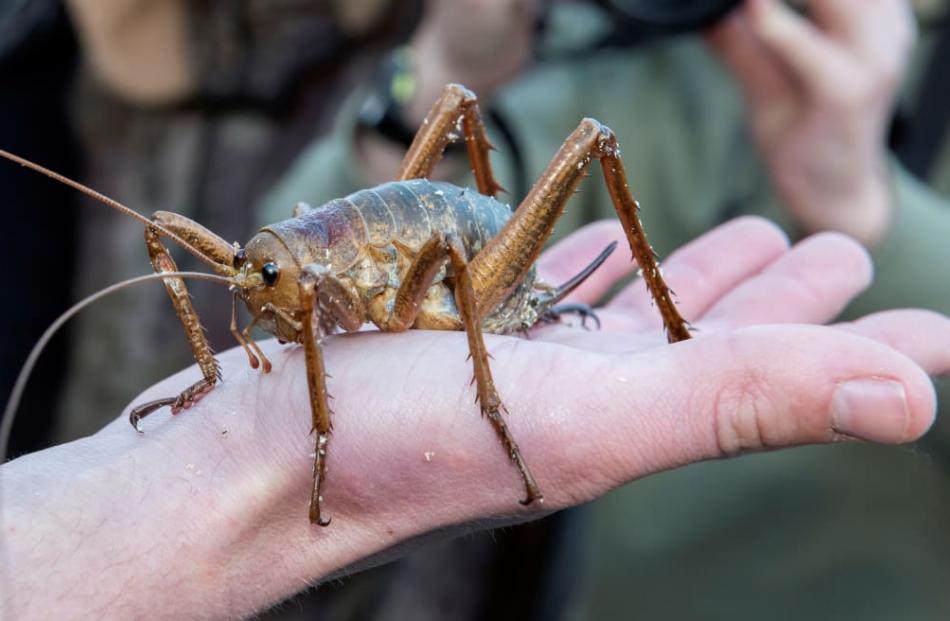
(670, 15)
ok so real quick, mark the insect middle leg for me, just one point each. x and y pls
(430, 258)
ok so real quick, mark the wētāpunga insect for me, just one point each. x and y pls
(411, 253)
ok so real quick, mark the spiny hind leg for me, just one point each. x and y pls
(210, 371)
(509, 255)
(677, 328)
(456, 110)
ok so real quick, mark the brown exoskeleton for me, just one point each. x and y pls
(411, 253)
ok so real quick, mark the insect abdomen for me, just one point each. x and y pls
(410, 211)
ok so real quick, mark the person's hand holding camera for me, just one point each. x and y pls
(819, 93)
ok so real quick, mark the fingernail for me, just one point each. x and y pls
(871, 409)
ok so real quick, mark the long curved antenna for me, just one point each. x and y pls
(111, 202)
(6, 425)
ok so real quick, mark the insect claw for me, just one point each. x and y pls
(530, 499)
(134, 420)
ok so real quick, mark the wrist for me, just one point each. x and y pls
(84, 536)
(132, 526)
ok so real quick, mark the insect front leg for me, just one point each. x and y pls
(212, 246)
(430, 258)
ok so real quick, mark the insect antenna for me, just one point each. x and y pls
(6, 424)
(111, 202)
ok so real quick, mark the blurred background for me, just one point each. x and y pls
(231, 111)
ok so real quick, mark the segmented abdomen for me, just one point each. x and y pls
(411, 211)
(406, 214)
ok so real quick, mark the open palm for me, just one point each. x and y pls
(591, 409)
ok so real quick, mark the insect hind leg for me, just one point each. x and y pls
(455, 111)
(508, 256)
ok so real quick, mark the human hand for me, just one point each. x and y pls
(479, 43)
(213, 503)
(819, 96)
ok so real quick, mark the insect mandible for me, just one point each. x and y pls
(411, 253)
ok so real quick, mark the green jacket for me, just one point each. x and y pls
(857, 532)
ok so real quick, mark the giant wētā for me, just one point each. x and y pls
(411, 253)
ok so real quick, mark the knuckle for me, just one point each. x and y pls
(741, 415)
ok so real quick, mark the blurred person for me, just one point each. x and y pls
(196, 108)
(205, 515)
(771, 114)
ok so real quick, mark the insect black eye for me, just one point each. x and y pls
(270, 273)
(239, 258)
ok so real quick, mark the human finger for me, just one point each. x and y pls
(817, 61)
(810, 284)
(759, 72)
(909, 331)
(572, 254)
(880, 31)
(707, 268)
(761, 388)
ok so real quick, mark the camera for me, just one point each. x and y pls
(668, 16)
